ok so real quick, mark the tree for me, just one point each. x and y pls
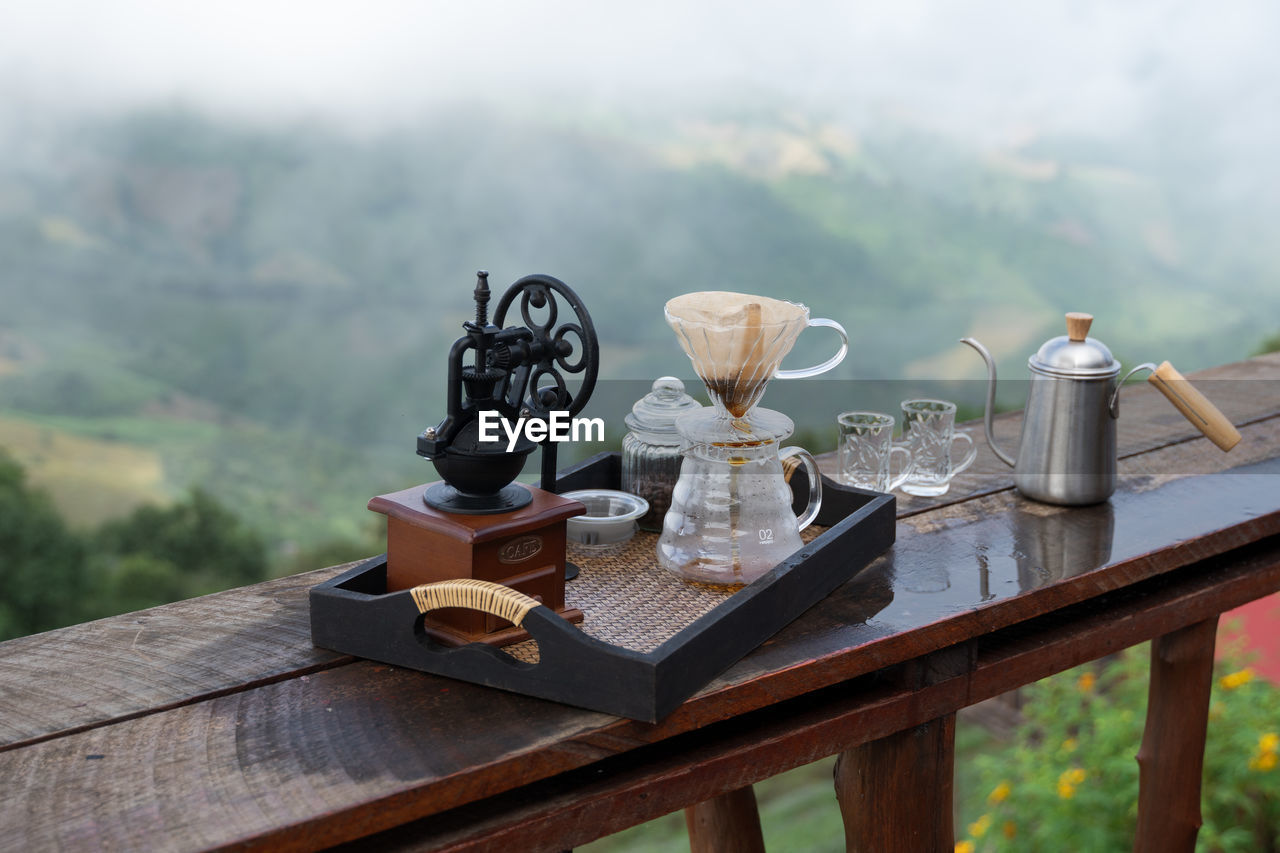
(42, 566)
(50, 577)
(205, 546)
(1271, 344)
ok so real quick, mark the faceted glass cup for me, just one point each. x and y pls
(929, 432)
(866, 452)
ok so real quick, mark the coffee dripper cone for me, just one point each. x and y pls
(736, 342)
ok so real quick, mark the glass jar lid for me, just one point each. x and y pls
(653, 417)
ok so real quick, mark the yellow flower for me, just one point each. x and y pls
(1236, 679)
(1069, 781)
(965, 846)
(980, 826)
(999, 793)
(1069, 745)
(1265, 758)
(1010, 829)
(1086, 681)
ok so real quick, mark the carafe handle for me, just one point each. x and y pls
(826, 365)
(792, 456)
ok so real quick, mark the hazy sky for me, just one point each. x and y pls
(978, 63)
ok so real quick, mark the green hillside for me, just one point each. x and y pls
(264, 310)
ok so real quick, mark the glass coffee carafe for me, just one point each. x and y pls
(730, 519)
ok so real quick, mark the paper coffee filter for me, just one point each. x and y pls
(736, 341)
(723, 308)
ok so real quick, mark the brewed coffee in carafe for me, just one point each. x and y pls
(730, 519)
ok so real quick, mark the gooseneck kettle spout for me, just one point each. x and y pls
(991, 400)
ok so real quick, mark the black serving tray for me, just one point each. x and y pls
(353, 613)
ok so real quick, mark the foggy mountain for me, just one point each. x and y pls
(249, 269)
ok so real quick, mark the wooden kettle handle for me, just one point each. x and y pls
(1195, 406)
(485, 596)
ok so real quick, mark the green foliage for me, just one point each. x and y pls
(1069, 777)
(1271, 344)
(51, 576)
(41, 562)
(128, 582)
(333, 552)
(200, 541)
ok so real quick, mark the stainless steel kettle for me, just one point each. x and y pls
(1068, 449)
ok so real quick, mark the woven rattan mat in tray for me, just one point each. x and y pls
(631, 601)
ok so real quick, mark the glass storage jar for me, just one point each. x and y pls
(651, 450)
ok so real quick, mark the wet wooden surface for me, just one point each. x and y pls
(214, 722)
(646, 783)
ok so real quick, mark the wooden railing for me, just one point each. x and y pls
(215, 723)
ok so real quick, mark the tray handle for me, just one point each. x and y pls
(485, 596)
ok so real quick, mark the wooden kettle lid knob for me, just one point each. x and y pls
(1078, 325)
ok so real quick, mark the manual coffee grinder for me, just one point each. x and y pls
(476, 523)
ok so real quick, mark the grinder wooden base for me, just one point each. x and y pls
(523, 549)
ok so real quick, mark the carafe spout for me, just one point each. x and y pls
(991, 400)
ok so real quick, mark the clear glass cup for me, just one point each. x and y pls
(929, 432)
(866, 452)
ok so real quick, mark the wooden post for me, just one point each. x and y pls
(1171, 759)
(727, 822)
(895, 792)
